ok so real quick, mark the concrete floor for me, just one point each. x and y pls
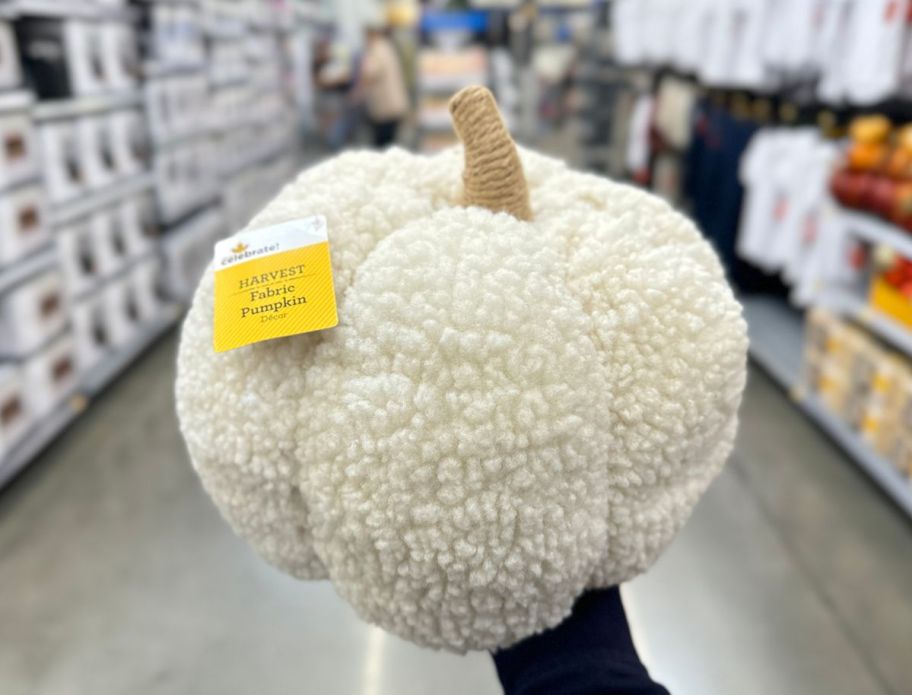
(118, 576)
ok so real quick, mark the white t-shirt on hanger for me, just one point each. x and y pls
(628, 20)
(690, 39)
(750, 24)
(795, 189)
(834, 48)
(759, 211)
(875, 52)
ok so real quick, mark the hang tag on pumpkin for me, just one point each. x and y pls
(272, 283)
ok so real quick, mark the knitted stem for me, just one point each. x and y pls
(493, 176)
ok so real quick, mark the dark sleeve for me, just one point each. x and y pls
(590, 653)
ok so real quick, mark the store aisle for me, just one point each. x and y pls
(118, 576)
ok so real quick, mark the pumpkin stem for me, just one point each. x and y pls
(493, 176)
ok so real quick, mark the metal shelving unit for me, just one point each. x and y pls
(90, 386)
(90, 381)
(776, 344)
(893, 332)
(26, 267)
(877, 231)
(75, 9)
(94, 381)
(79, 207)
(83, 106)
(38, 439)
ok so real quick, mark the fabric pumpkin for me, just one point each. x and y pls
(535, 376)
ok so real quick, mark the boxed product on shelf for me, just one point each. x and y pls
(19, 159)
(177, 106)
(175, 35)
(63, 57)
(121, 311)
(148, 217)
(226, 62)
(119, 56)
(31, 312)
(10, 73)
(891, 290)
(63, 163)
(866, 385)
(96, 151)
(230, 106)
(840, 360)
(15, 417)
(185, 179)
(110, 238)
(250, 189)
(902, 455)
(144, 280)
(131, 215)
(187, 251)
(90, 330)
(261, 47)
(891, 377)
(129, 146)
(51, 375)
(23, 222)
(893, 440)
(77, 252)
(266, 78)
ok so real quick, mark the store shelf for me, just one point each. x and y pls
(893, 332)
(79, 207)
(154, 70)
(15, 100)
(76, 9)
(878, 231)
(886, 476)
(260, 156)
(48, 429)
(93, 383)
(217, 27)
(26, 267)
(776, 344)
(110, 367)
(227, 81)
(83, 106)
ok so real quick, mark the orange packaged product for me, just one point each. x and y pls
(869, 150)
(899, 161)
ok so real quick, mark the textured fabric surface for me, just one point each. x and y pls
(508, 412)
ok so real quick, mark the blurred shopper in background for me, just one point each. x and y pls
(382, 86)
(335, 74)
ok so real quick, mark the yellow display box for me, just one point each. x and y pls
(890, 301)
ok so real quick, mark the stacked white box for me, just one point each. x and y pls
(10, 72)
(90, 331)
(24, 223)
(15, 414)
(78, 254)
(19, 157)
(31, 313)
(51, 375)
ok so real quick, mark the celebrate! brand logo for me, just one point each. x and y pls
(242, 252)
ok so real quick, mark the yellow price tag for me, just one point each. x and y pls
(272, 283)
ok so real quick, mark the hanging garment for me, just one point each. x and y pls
(638, 150)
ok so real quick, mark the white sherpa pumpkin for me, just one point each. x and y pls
(515, 406)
